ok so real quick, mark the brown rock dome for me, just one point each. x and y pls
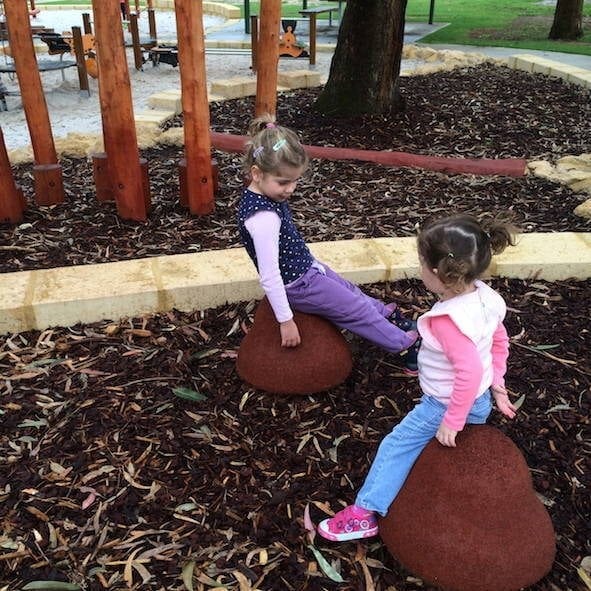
(322, 360)
(468, 519)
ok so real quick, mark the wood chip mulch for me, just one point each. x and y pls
(133, 457)
(486, 111)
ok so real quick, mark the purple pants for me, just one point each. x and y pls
(344, 304)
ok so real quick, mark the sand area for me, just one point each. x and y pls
(73, 111)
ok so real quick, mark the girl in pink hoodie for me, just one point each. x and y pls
(462, 362)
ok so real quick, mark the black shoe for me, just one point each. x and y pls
(401, 322)
(410, 358)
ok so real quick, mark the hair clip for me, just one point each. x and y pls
(451, 255)
(258, 151)
(279, 144)
(270, 125)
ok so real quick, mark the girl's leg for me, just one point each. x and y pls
(344, 304)
(382, 308)
(480, 409)
(397, 454)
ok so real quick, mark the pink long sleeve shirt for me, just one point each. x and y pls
(264, 228)
(464, 350)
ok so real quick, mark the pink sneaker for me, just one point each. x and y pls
(351, 523)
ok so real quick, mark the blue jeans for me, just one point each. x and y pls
(400, 449)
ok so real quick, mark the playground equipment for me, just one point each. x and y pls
(165, 53)
(74, 43)
(288, 45)
(119, 172)
(312, 14)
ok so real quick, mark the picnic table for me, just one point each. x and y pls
(304, 7)
(340, 2)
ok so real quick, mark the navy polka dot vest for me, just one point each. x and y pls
(294, 256)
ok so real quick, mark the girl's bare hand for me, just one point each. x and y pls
(446, 436)
(290, 335)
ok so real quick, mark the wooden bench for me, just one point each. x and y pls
(312, 13)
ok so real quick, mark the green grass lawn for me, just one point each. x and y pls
(524, 24)
(507, 23)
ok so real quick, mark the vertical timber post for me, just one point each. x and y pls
(120, 136)
(49, 188)
(191, 48)
(12, 201)
(152, 21)
(268, 57)
(138, 58)
(254, 41)
(86, 25)
(80, 63)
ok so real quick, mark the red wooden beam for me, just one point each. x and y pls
(191, 51)
(514, 167)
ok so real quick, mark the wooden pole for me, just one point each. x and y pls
(102, 178)
(86, 24)
(80, 62)
(152, 24)
(183, 184)
(254, 41)
(47, 173)
(191, 51)
(120, 136)
(137, 7)
(312, 21)
(267, 57)
(12, 201)
(138, 58)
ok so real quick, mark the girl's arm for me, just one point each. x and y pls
(264, 228)
(500, 353)
(468, 371)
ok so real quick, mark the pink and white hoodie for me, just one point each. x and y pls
(459, 360)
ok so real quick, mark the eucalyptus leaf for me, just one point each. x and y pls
(189, 394)
(187, 574)
(31, 423)
(584, 577)
(517, 404)
(326, 568)
(185, 507)
(544, 347)
(204, 354)
(558, 407)
(52, 586)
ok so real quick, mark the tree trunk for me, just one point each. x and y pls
(568, 20)
(365, 67)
